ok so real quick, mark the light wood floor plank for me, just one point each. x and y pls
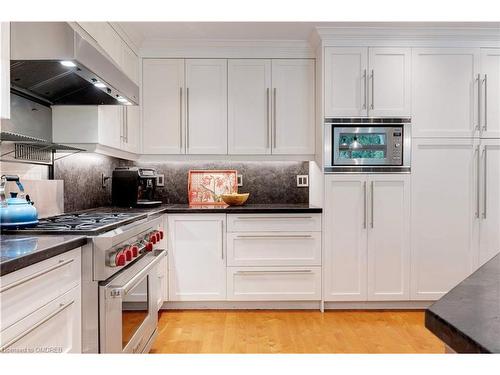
(278, 331)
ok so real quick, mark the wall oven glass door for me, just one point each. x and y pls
(128, 310)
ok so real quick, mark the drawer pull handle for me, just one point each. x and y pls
(62, 307)
(271, 272)
(37, 274)
(273, 218)
(276, 236)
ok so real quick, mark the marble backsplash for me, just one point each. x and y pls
(267, 182)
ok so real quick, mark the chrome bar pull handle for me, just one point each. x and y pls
(371, 203)
(267, 117)
(274, 115)
(478, 79)
(187, 120)
(365, 91)
(372, 106)
(180, 117)
(364, 205)
(485, 81)
(478, 183)
(485, 181)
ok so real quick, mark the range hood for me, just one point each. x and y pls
(53, 64)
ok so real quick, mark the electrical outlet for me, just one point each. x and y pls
(239, 178)
(160, 180)
(302, 180)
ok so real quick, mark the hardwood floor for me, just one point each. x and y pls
(278, 331)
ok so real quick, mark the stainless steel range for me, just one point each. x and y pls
(119, 276)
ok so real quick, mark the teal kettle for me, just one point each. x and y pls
(16, 212)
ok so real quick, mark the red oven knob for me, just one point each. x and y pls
(135, 251)
(161, 234)
(152, 238)
(128, 254)
(149, 246)
(158, 236)
(120, 259)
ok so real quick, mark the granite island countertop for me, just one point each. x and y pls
(20, 251)
(467, 318)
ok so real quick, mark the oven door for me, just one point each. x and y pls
(370, 146)
(128, 309)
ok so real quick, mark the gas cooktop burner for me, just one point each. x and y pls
(82, 223)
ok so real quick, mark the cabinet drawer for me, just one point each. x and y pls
(273, 283)
(274, 223)
(25, 291)
(274, 249)
(54, 328)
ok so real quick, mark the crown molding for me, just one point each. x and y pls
(192, 48)
(414, 34)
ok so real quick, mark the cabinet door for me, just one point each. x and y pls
(130, 63)
(389, 81)
(162, 106)
(345, 233)
(490, 111)
(389, 237)
(489, 200)
(445, 90)
(249, 85)
(4, 70)
(131, 132)
(293, 106)
(55, 327)
(444, 215)
(111, 125)
(346, 77)
(197, 265)
(206, 90)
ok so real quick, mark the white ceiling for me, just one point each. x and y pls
(138, 32)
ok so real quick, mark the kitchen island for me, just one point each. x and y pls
(467, 319)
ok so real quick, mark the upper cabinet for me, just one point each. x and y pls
(446, 84)
(4, 70)
(236, 107)
(163, 102)
(362, 81)
(293, 106)
(206, 106)
(490, 93)
(249, 106)
(114, 46)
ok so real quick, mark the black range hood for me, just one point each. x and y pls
(52, 63)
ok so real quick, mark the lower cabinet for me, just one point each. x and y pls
(367, 237)
(41, 306)
(273, 283)
(197, 260)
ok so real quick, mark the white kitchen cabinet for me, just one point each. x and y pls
(388, 237)
(273, 283)
(489, 199)
(249, 106)
(110, 125)
(362, 81)
(130, 62)
(367, 234)
(197, 259)
(130, 139)
(445, 92)
(163, 106)
(389, 84)
(490, 93)
(445, 210)
(345, 73)
(274, 223)
(4, 70)
(206, 106)
(345, 238)
(293, 106)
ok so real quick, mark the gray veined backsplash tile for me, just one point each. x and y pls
(267, 182)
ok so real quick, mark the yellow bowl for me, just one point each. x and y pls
(235, 199)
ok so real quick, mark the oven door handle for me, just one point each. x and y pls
(122, 290)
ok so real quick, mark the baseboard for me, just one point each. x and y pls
(378, 305)
(294, 305)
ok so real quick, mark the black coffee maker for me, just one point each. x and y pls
(134, 187)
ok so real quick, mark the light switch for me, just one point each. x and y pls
(302, 180)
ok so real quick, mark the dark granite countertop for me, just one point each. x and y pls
(19, 251)
(467, 319)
